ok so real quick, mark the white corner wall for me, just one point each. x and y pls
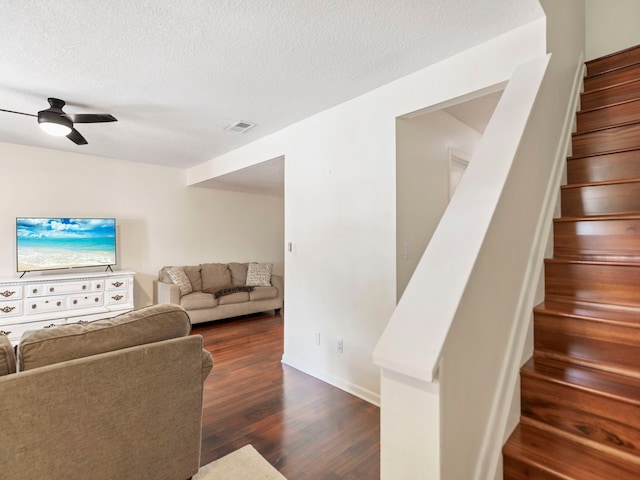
(340, 189)
(160, 221)
(611, 26)
(422, 181)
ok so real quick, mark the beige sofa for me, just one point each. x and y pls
(213, 291)
(114, 398)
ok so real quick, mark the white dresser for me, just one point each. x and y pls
(49, 300)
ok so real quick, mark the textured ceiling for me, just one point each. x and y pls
(176, 73)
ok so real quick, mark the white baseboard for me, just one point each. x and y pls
(355, 390)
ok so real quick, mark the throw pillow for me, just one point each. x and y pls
(259, 274)
(193, 272)
(180, 278)
(215, 275)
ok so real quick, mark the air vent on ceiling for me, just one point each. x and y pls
(241, 127)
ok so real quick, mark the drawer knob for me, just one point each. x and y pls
(49, 326)
(7, 293)
(51, 289)
(117, 297)
(75, 302)
(35, 290)
(58, 304)
(97, 299)
(84, 287)
(117, 284)
(4, 332)
(7, 309)
(82, 322)
(34, 306)
(98, 286)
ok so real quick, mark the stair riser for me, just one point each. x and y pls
(616, 77)
(610, 199)
(610, 96)
(613, 347)
(596, 283)
(617, 60)
(604, 240)
(605, 117)
(603, 168)
(606, 141)
(586, 414)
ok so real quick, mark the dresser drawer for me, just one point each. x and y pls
(63, 288)
(84, 301)
(10, 309)
(117, 284)
(44, 305)
(117, 298)
(10, 293)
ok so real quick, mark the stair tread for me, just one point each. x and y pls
(609, 105)
(598, 218)
(599, 154)
(597, 184)
(605, 128)
(566, 458)
(622, 263)
(612, 385)
(625, 316)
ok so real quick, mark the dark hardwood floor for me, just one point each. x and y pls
(304, 427)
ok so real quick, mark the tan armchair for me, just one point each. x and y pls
(116, 398)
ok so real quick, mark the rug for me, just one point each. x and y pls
(243, 464)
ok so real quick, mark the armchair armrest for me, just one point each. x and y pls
(165, 293)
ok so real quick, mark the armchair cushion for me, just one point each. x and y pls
(66, 342)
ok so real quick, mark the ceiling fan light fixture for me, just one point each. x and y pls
(55, 124)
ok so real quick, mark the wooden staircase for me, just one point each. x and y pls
(580, 392)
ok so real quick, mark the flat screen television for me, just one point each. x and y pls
(62, 243)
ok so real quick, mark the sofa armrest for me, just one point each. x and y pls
(278, 282)
(165, 293)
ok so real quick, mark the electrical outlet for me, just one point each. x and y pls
(340, 346)
(317, 338)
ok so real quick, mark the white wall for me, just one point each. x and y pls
(160, 220)
(340, 208)
(422, 181)
(611, 25)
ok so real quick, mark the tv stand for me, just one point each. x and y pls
(49, 300)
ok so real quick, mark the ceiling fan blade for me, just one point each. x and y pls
(92, 118)
(76, 137)
(19, 113)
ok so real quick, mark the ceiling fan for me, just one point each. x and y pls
(60, 124)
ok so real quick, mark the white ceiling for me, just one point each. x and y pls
(176, 73)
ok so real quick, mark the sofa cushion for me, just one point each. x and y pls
(180, 278)
(263, 293)
(238, 297)
(66, 342)
(193, 273)
(215, 275)
(259, 274)
(7, 356)
(197, 300)
(238, 273)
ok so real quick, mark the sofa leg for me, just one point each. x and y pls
(277, 311)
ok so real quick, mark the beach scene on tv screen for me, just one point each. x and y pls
(57, 243)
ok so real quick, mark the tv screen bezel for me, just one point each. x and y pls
(67, 267)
